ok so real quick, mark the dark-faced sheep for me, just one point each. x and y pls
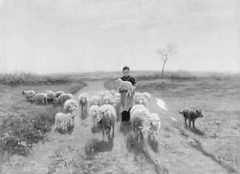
(106, 120)
(191, 115)
(83, 100)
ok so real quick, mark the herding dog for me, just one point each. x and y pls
(190, 115)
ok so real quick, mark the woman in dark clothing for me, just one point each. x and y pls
(127, 77)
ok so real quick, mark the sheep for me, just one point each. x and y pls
(95, 100)
(94, 114)
(142, 98)
(50, 95)
(47, 91)
(139, 117)
(108, 99)
(116, 102)
(155, 124)
(28, 94)
(124, 85)
(102, 94)
(58, 93)
(62, 120)
(106, 120)
(39, 98)
(191, 115)
(69, 104)
(83, 100)
(62, 98)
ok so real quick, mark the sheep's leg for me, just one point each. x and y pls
(112, 131)
(190, 122)
(103, 133)
(185, 121)
(194, 124)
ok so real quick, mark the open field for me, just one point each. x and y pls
(211, 148)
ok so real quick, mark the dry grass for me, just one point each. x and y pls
(23, 123)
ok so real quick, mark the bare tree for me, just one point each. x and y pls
(169, 50)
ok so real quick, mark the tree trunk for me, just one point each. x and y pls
(164, 66)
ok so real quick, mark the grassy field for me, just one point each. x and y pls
(213, 146)
(22, 122)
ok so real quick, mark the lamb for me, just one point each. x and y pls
(106, 119)
(39, 98)
(140, 119)
(125, 85)
(155, 124)
(191, 115)
(62, 98)
(69, 104)
(50, 95)
(28, 94)
(63, 120)
(95, 100)
(94, 112)
(58, 93)
(83, 100)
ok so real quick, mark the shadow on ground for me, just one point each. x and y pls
(95, 146)
(125, 128)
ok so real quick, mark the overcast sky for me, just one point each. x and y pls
(51, 36)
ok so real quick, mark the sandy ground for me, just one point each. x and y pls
(179, 150)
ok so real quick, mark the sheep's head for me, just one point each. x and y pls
(119, 80)
(94, 111)
(146, 95)
(141, 100)
(23, 92)
(199, 113)
(83, 99)
(55, 101)
(101, 114)
(145, 130)
(73, 111)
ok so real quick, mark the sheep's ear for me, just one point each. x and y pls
(197, 111)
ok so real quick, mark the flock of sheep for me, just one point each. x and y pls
(103, 109)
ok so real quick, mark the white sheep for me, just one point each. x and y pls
(83, 100)
(95, 100)
(116, 102)
(63, 120)
(48, 91)
(108, 99)
(140, 116)
(69, 104)
(125, 85)
(155, 124)
(106, 120)
(39, 98)
(58, 93)
(101, 94)
(94, 112)
(62, 98)
(28, 94)
(142, 98)
(50, 95)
